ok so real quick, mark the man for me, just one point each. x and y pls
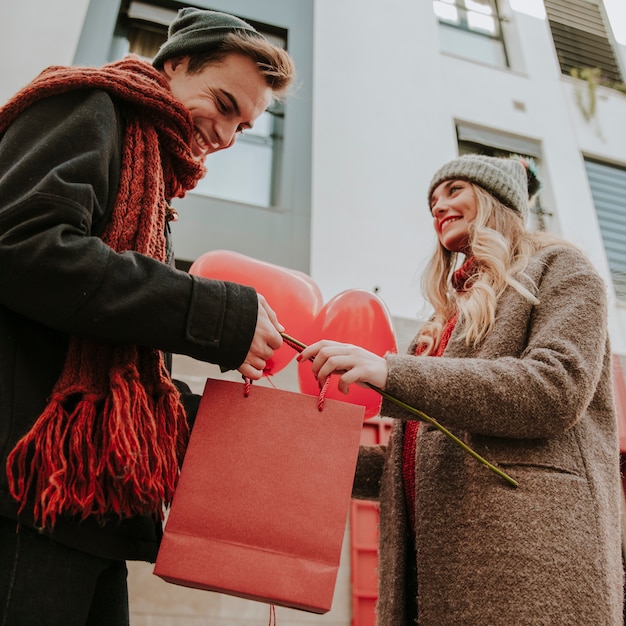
(92, 428)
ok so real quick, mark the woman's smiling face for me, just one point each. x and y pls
(453, 207)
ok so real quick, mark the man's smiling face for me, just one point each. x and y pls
(223, 99)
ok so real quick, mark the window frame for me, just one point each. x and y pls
(611, 220)
(147, 23)
(464, 27)
(475, 140)
(582, 38)
(281, 233)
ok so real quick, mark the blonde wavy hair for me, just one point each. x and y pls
(501, 246)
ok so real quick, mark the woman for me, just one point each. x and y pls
(523, 376)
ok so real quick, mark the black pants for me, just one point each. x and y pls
(43, 583)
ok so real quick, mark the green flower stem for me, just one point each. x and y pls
(428, 419)
(446, 432)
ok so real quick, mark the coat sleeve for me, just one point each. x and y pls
(59, 168)
(536, 373)
(369, 470)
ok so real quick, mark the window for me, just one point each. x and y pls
(271, 219)
(608, 189)
(474, 140)
(581, 37)
(243, 173)
(472, 29)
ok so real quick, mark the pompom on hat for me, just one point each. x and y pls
(195, 30)
(512, 180)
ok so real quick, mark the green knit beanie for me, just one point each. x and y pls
(194, 31)
(512, 180)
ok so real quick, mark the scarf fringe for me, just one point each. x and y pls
(112, 437)
(104, 457)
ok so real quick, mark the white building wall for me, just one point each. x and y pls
(385, 106)
(35, 34)
(384, 120)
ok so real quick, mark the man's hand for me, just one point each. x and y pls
(266, 339)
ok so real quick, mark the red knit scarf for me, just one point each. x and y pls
(462, 280)
(112, 436)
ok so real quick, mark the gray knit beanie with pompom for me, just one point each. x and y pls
(512, 180)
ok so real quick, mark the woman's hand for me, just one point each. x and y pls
(354, 364)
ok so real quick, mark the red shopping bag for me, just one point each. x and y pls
(262, 501)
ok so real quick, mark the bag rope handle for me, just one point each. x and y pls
(299, 347)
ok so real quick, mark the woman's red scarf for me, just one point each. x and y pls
(462, 280)
(110, 440)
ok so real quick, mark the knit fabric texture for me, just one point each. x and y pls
(195, 31)
(410, 434)
(462, 281)
(512, 180)
(112, 436)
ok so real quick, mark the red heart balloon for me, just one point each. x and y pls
(292, 294)
(358, 317)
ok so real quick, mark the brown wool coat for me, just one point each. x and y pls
(535, 398)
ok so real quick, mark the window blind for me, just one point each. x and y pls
(581, 38)
(608, 189)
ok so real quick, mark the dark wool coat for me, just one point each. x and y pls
(59, 174)
(535, 398)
